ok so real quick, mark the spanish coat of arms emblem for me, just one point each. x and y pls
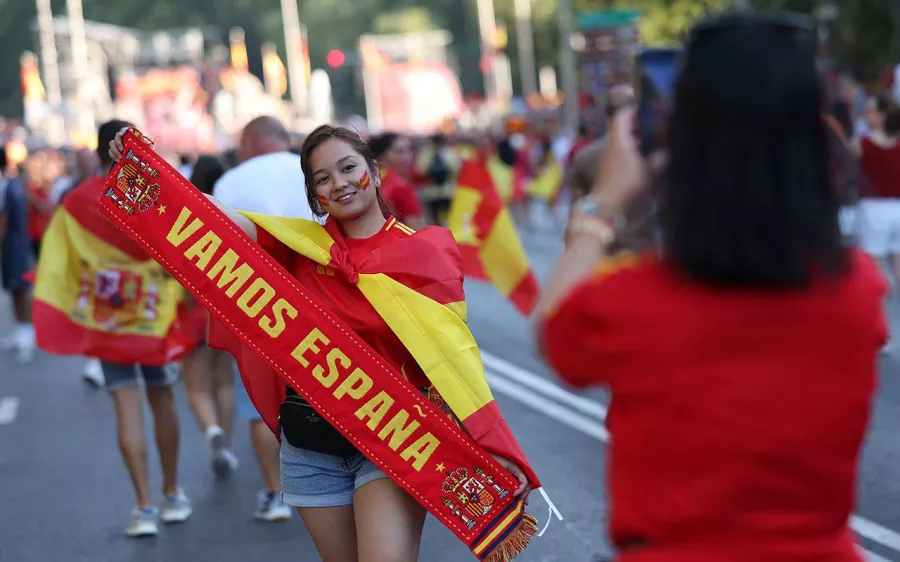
(136, 187)
(470, 497)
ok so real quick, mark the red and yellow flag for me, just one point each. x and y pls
(239, 60)
(487, 237)
(546, 185)
(32, 86)
(97, 294)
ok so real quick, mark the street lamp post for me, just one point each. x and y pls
(293, 41)
(487, 27)
(82, 110)
(525, 43)
(826, 14)
(49, 57)
(568, 65)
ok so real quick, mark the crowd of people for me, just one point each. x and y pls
(721, 301)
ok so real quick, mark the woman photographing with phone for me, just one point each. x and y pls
(741, 359)
(354, 510)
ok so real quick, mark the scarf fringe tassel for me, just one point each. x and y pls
(516, 541)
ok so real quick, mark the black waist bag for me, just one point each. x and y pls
(304, 428)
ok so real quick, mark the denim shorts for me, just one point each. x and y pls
(243, 406)
(122, 375)
(310, 479)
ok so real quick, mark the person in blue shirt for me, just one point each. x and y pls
(15, 261)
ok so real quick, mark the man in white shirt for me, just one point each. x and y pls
(269, 180)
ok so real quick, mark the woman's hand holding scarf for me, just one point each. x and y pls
(519, 474)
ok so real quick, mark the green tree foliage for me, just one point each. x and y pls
(407, 20)
(865, 37)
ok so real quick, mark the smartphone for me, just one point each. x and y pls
(655, 72)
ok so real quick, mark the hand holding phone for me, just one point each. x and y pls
(655, 73)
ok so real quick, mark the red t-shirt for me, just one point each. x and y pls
(400, 197)
(38, 221)
(882, 168)
(346, 300)
(736, 417)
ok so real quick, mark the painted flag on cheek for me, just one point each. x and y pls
(322, 200)
(365, 180)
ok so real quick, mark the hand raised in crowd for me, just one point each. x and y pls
(624, 173)
(116, 146)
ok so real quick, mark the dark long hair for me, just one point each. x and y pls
(326, 133)
(886, 105)
(748, 200)
(381, 144)
(207, 172)
(506, 153)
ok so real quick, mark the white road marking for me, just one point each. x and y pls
(872, 557)
(876, 532)
(541, 384)
(561, 414)
(9, 408)
(518, 383)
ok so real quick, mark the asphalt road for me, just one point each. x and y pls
(65, 494)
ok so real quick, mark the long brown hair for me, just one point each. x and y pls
(326, 133)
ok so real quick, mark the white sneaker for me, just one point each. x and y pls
(26, 343)
(25, 354)
(143, 523)
(11, 340)
(224, 462)
(21, 340)
(92, 373)
(176, 508)
(270, 508)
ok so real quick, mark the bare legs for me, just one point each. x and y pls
(209, 378)
(132, 444)
(383, 518)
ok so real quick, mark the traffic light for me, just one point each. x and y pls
(335, 58)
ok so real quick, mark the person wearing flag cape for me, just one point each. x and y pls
(400, 292)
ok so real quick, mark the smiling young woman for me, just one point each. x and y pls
(344, 181)
(353, 510)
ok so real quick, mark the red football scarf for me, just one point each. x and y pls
(372, 405)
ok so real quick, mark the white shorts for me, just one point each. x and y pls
(878, 229)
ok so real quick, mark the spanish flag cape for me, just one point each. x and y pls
(283, 325)
(487, 237)
(99, 295)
